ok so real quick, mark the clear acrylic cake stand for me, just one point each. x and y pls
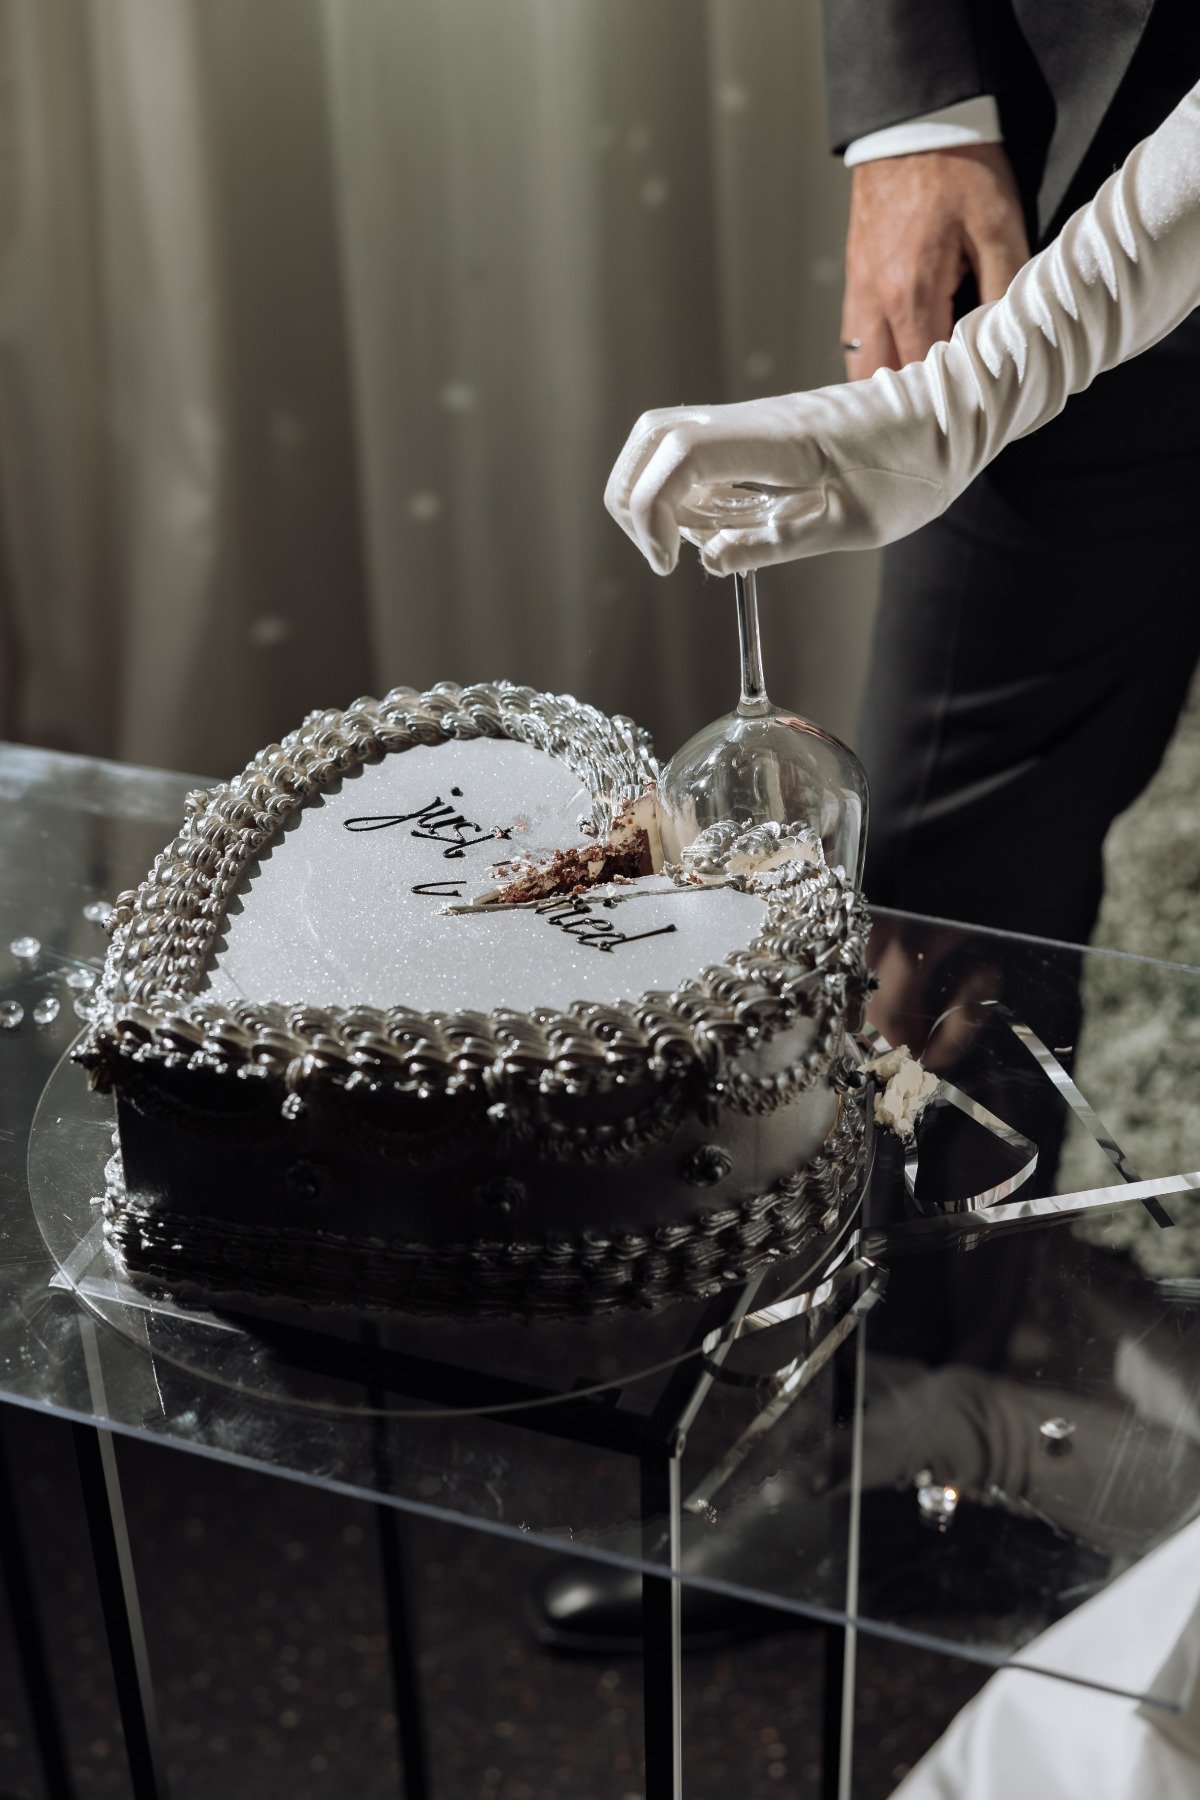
(360, 1369)
(295, 1367)
(567, 1380)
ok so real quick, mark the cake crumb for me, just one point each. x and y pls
(631, 850)
(908, 1090)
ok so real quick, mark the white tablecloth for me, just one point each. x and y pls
(1028, 1737)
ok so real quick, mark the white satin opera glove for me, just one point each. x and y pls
(866, 462)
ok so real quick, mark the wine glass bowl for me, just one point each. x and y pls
(767, 765)
(761, 762)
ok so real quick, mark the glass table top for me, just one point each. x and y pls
(971, 1409)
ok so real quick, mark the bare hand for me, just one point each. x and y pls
(918, 225)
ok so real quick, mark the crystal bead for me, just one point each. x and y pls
(82, 980)
(11, 1014)
(83, 1010)
(46, 1010)
(96, 911)
(26, 949)
(938, 1503)
(1056, 1435)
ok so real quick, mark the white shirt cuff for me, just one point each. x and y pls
(975, 121)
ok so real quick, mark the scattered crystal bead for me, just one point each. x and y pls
(1056, 1435)
(46, 1010)
(938, 1504)
(26, 949)
(97, 911)
(82, 980)
(11, 1014)
(83, 1009)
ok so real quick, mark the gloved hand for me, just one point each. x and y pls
(862, 464)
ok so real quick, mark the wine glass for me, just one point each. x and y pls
(760, 762)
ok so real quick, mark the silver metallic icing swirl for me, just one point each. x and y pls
(707, 857)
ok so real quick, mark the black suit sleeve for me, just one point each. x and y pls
(890, 60)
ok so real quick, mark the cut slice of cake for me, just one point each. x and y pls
(632, 847)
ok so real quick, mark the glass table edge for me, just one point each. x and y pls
(813, 1611)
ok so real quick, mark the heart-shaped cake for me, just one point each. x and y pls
(347, 1075)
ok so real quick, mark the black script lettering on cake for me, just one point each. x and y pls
(576, 918)
(440, 890)
(436, 822)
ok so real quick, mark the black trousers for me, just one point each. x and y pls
(1033, 649)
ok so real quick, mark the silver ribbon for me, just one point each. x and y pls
(993, 1198)
(788, 1383)
(1079, 1105)
(968, 1228)
(946, 1094)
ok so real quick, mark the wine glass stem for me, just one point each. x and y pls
(754, 690)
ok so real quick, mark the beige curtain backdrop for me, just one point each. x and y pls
(321, 322)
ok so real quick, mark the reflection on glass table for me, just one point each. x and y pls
(968, 1411)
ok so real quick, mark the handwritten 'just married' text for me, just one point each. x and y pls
(577, 919)
(437, 822)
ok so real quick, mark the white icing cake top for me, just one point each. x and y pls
(348, 906)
